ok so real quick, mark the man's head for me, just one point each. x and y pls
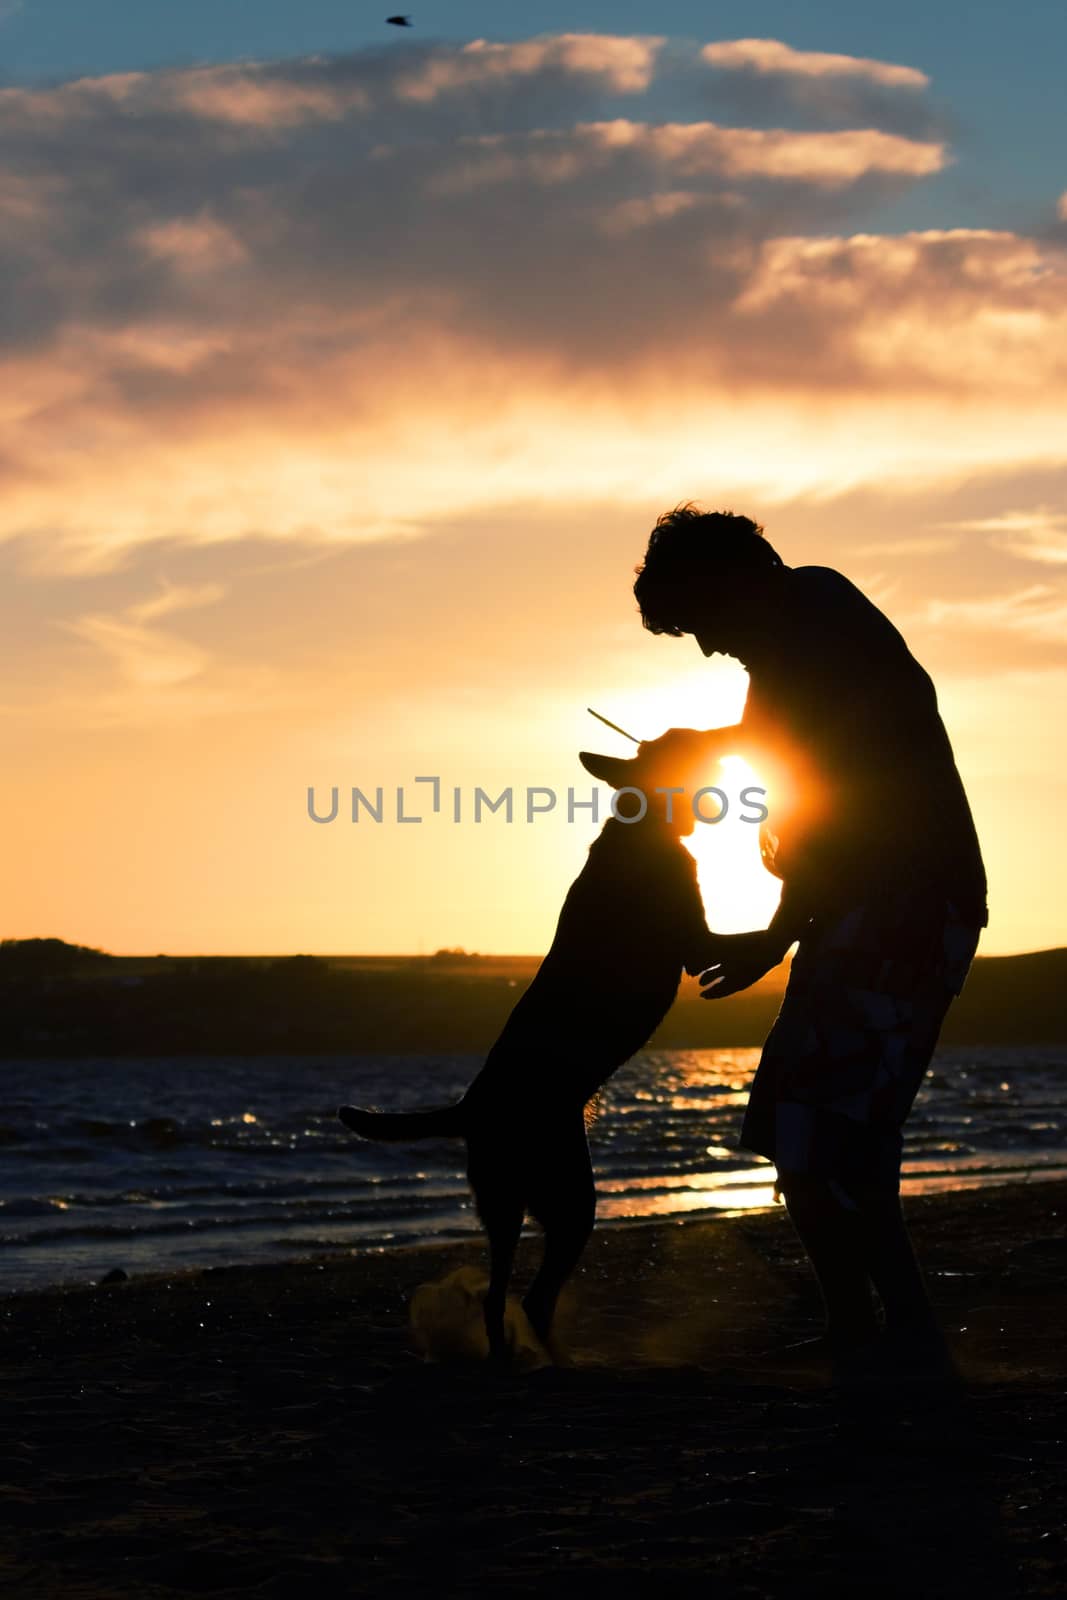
(712, 574)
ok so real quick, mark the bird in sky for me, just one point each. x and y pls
(400, 22)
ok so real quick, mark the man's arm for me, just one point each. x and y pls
(795, 911)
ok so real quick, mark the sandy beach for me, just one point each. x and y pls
(273, 1431)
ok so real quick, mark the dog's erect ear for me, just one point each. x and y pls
(619, 771)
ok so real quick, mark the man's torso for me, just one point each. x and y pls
(864, 793)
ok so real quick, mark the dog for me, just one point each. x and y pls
(631, 922)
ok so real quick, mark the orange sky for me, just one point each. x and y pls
(343, 396)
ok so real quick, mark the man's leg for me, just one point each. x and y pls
(913, 1344)
(833, 1235)
(890, 1260)
(874, 1187)
(844, 1085)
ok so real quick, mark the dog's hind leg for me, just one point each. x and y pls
(503, 1230)
(563, 1200)
(502, 1210)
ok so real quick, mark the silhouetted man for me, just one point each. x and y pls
(882, 885)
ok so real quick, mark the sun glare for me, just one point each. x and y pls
(711, 695)
(738, 892)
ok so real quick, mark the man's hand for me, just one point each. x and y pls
(684, 743)
(683, 749)
(739, 960)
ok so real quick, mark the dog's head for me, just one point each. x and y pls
(659, 767)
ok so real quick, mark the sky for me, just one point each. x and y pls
(348, 367)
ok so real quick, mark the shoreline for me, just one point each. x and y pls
(237, 1430)
(1038, 1196)
(914, 1188)
(918, 1187)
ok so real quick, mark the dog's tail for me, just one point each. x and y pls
(447, 1123)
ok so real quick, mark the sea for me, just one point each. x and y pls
(170, 1163)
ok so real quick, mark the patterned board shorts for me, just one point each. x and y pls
(866, 997)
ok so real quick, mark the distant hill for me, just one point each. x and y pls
(61, 999)
(1012, 1000)
(48, 956)
(1009, 1000)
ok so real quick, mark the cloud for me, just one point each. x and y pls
(624, 64)
(919, 545)
(144, 656)
(129, 671)
(193, 244)
(1061, 207)
(764, 78)
(1039, 535)
(956, 307)
(259, 95)
(688, 150)
(771, 57)
(351, 298)
(252, 102)
(1038, 613)
(253, 98)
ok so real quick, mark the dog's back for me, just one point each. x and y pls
(631, 921)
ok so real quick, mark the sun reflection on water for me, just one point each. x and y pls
(744, 1189)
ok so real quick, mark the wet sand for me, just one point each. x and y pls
(271, 1431)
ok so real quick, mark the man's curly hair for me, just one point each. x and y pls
(689, 547)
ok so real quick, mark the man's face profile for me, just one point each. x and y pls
(735, 618)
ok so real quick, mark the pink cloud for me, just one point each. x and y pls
(692, 149)
(253, 97)
(771, 56)
(960, 307)
(257, 299)
(194, 244)
(818, 158)
(1039, 612)
(1039, 535)
(623, 64)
